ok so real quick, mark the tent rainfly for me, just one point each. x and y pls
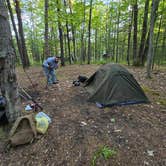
(112, 85)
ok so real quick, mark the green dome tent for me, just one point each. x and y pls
(112, 85)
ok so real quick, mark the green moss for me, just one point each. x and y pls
(162, 101)
(150, 91)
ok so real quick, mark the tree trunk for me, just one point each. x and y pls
(46, 44)
(117, 37)
(129, 37)
(156, 43)
(34, 44)
(114, 46)
(15, 30)
(96, 44)
(73, 34)
(26, 62)
(83, 52)
(60, 34)
(144, 34)
(155, 4)
(8, 81)
(68, 38)
(135, 12)
(89, 32)
(164, 44)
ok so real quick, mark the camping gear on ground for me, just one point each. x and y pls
(112, 85)
(99, 105)
(82, 78)
(22, 92)
(28, 108)
(3, 118)
(76, 83)
(42, 114)
(2, 102)
(41, 124)
(23, 131)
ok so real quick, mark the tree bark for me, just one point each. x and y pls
(135, 12)
(60, 34)
(8, 80)
(164, 44)
(26, 62)
(68, 38)
(73, 34)
(117, 37)
(156, 43)
(89, 33)
(144, 34)
(46, 44)
(96, 44)
(129, 37)
(83, 52)
(155, 4)
(15, 30)
(33, 42)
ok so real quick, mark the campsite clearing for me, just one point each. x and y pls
(79, 128)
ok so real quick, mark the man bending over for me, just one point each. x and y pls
(49, 65)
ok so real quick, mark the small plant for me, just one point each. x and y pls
(105, 152)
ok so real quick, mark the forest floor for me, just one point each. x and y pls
(79, 129)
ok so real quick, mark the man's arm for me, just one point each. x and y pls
(46, 64)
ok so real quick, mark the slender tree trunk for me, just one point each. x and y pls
(73, 33)
(55, 43)
(96, 44)
(74, 42)
(155, 4)
(117, 38)
(68, 38)
(110, 35)
(46, 42)
(156, 44)
(164, 44)
(114, 45)
(68, 43)
(83, 52)
(26, 62)
(144, 34)
(65, 46)
(135, 12)
(60, 34)
(8, 80)
(34, 44)
(89, 33)
(51, 45)
(106, 38)
(129, 37)
(15, 29)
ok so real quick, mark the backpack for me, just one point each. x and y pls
(23, 131)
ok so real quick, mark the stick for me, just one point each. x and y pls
(30, 98)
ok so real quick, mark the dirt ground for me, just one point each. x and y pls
(80, 128)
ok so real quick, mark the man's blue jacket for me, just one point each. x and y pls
(50, 63)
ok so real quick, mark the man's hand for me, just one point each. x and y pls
(49, 67)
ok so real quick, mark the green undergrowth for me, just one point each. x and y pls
(150, 91)
(161, 101)
(103, 152)
(156, 94)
